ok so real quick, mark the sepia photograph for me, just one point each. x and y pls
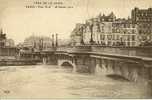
(75, 49)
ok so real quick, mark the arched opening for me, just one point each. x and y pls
(67, 65)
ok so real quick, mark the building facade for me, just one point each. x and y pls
(98, 29)
(111, 31)
(7, 49)
(37, 42)
(10, 43)
(4, 42)
(77, 34)
(143, 18)
(107, 30)
(124, 33)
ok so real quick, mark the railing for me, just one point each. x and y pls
(64, 48)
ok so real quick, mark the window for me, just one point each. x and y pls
(128, 25)
(109, 37)
(113, 30)
(133, 38)
(124, 25)
(128, 43)
(133, 43)
(140, 31)
(133, 31)
(113, 37)
(103, 37)
(128, 38)
(117, 37)
(133, 25)
(102, 28)
(124, 32)
(100, 37)
(118, 30)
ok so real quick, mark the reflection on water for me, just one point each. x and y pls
(47, 81)
(117, 77)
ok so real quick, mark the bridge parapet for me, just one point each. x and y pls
(65, 48)
(75, 49)
(129, 51)
(118, 51)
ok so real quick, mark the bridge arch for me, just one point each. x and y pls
(66, 63)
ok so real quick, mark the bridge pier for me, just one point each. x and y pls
(84, 64)
(80, 63)
(111, 65)
(44, 60)
(147, 74)
(98, 67)
(50, 59)
(103, 66)
(125, 70)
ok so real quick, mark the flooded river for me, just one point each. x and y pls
(47, 81)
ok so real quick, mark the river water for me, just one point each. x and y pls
(47, 81)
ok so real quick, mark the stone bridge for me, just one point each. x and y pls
(129, 63)
(132, 63)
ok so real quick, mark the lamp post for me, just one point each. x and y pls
(91, 30)
(56, 40)
(81, 30)
(52, 40)
(41, 44)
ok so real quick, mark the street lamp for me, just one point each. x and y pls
(91, 30)
(52, 40)
(56, 40)
(41, 44)
(81, 30)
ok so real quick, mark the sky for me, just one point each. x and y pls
(19, 22)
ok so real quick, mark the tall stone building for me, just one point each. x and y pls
(37, 42)
(7, 49)
(77, 34)
(124, 33)
(98, 29)
(107, 30)
(4, 42)
(143, 18)
(10, 43)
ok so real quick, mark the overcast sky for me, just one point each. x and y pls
(20, 22)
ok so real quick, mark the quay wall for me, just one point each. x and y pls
(18, 62)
